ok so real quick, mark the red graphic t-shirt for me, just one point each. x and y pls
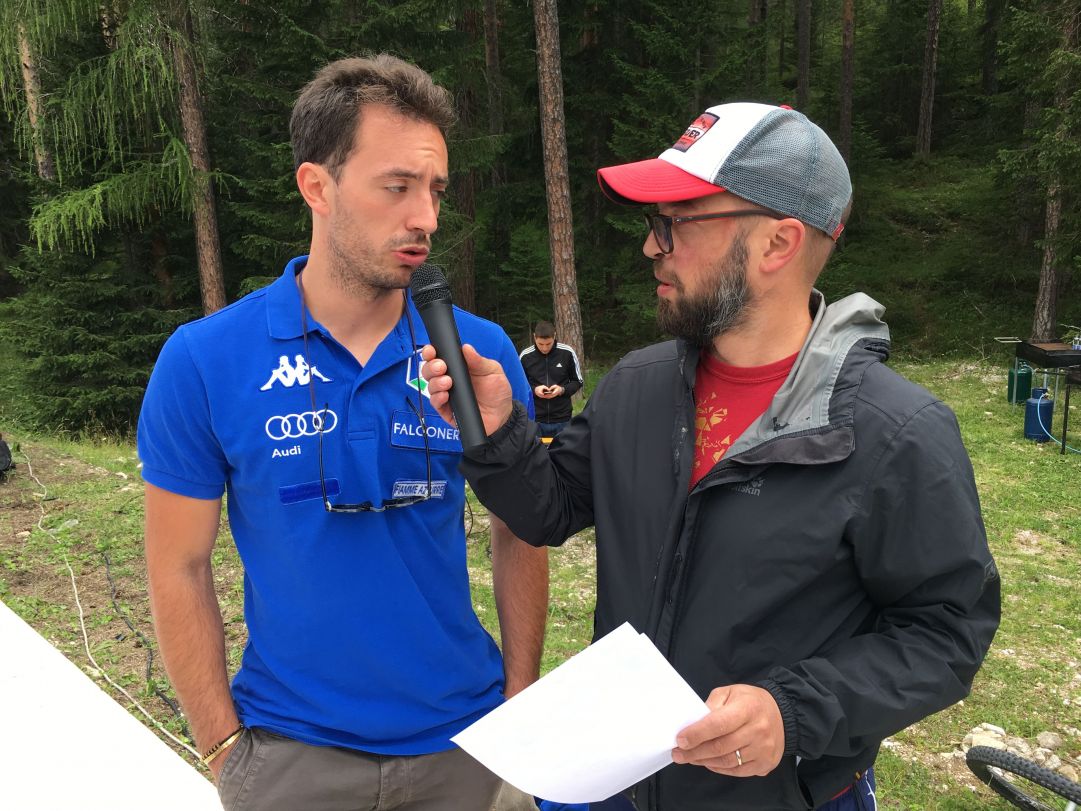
(727, 400)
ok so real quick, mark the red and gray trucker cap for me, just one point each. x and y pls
(772, 156)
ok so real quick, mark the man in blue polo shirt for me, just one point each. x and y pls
(305, 403)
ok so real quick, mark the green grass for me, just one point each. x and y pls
(1031, 680)
(929, 239)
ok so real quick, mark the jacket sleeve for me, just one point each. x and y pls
(921, 554)
(543, 495)
(525, 359)
(574, 374)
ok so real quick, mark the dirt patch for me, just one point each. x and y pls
(948, 768)
(1030, 542)
(56, 512)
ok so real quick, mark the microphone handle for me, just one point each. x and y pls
(438, 317)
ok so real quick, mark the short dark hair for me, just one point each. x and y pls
(323, 126)
(544, 329)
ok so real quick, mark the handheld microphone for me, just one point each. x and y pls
(431, 295)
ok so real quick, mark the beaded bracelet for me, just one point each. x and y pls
(220, 746)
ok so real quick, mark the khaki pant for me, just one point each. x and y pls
(269, 772)
(511, 799)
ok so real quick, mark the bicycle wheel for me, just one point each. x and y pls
(1018, 780)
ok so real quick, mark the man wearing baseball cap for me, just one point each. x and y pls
(793, 524)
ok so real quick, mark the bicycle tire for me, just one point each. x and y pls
(982, 760)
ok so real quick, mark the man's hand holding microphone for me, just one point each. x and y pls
(467, 390)
(490, 386)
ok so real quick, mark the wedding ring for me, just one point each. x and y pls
(739, 758)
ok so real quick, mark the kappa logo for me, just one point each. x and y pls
(289, 375)
(751, 488)
(416, 381)
(699, 127)
(295, 426)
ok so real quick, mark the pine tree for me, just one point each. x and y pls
(118, 111)
(1043, 61)
(89, 318)
(930, 66)
(568, 319)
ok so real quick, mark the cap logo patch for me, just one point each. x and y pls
(699, 127)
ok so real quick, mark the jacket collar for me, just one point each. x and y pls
(816, 400)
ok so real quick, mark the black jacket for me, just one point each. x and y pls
(559, 367)
(835, 556)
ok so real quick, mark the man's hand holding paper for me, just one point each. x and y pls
(569, 737)
(743, 735)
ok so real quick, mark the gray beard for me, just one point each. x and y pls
(699, 319)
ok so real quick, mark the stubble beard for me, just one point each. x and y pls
(724, 306)
(354, 261)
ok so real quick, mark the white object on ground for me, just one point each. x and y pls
(65, 744)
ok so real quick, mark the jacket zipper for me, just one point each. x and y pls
(671, 599)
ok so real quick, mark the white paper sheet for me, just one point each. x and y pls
(600, 722)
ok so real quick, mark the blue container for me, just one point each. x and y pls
(1039, 410)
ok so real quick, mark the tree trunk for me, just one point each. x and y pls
(568, 319)
(1045, 317)
(848, 48)
(590, 27)
(34, 108)
(1046, 313)
(159, 267)
(204, 214)
(107, 15)
(463, 277)
(696, 103)
(803, 67)
(782, 27)
(493, 75)
(757, 46)
(927, 93)
(992, 21)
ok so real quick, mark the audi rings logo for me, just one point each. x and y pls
(294, 426)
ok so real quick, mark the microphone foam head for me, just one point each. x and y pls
(429, 284)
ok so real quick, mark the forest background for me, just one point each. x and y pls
(146, 174)
(146, 178)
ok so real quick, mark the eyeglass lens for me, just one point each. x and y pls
(661, 226)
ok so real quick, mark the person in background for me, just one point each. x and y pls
(554, 375)
(793, 524)
(304, 401)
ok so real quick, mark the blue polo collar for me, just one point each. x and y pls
(283, 312)
(283, 303)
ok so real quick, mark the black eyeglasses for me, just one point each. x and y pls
(367, 506)
(418, 409)
(661, 224)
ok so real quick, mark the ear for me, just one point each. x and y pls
(785, 240)
(316, 186)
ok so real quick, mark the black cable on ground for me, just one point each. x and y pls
(469, 509)
(146, 644)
